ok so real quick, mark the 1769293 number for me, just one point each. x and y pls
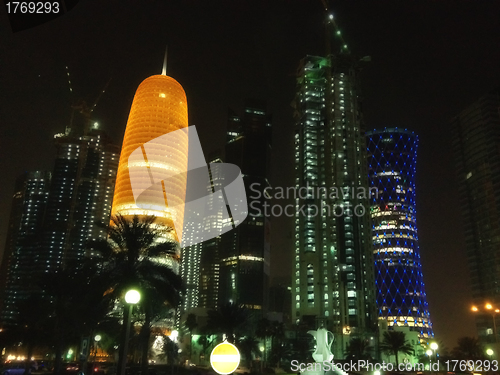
(31, 7)
(470, 365)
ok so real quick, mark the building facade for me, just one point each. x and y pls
(22, 247)
(244, 251)
(80, 195)
(400, 290)
(332, 279)
(234, 266)
(159, 108)
(476, 136)
(64, 209)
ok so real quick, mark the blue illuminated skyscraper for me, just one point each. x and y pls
(401, 298)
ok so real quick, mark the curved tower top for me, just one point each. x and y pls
(401, 298)
(159, 107)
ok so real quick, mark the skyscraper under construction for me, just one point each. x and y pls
(332, 280)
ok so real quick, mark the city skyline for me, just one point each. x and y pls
(420, 92)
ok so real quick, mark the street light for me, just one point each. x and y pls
(97, 338)
(132, 297)
(434, 347)
(173, 335)
(493, 311)
(489, 352)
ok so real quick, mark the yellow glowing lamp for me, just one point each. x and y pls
(488, 306)
(225, 358)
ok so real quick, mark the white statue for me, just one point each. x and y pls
(323, 345)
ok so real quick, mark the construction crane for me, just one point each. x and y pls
(332, 28)
(81, 106)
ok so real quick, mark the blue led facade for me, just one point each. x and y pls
(400, 290)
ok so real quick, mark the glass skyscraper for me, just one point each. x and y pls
(476, 140)
(400, 291)
(22, 247)
(332, 282)
(55, 215)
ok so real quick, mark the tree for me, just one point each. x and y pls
(468, 348)
(358, 349)
(228, 319)
(263, 331)
(78, 303)
(395, 342)
(32, 324)
(138, 254)
(249, 346)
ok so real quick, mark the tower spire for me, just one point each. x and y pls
(164, 71)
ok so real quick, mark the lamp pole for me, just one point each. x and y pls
(97, 338)
(132, 297)
(434, 348)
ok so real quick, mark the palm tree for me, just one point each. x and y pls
(249, 346)
(277, 331)
(136, 254)
(228, 319)
(78, 304)
(468, 348)
(358, 349)
(263, 331)
(280, 352)
(395, 342)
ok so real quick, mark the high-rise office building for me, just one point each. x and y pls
(200, 262)
(80, 195)
(476, 136)
(234, 267)
(244, 251)
(400, 290)
(23, 243)
(332, 280)
(159, 107)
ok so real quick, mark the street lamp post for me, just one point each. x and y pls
(132, 297)
(173, 336)
(434, 347)
(429, 353)
(97, 338)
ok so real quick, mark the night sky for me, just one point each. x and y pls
(430, 59)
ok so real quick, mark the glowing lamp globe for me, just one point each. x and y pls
(225, 358)
(132, 297)
(434, 346)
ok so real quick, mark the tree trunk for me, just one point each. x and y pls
(397, 358)
(145, 333)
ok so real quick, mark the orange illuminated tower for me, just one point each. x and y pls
(159, 107)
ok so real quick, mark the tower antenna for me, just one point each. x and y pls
(164, 71)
